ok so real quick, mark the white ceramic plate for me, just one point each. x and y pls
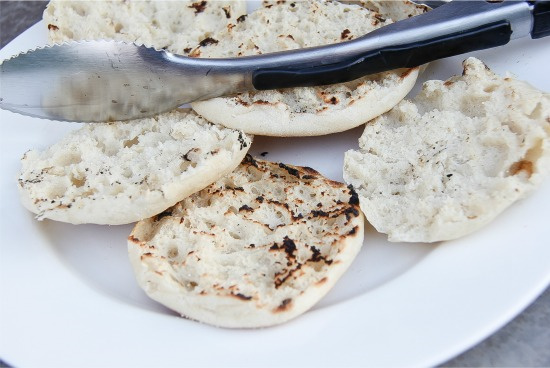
(68, 297)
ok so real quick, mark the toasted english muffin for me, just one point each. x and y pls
(304, 111)
(122, 172)
(256, 248)
(449, 161)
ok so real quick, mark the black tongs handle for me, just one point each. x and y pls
(541, 14)
(477, 25)
(409, 55)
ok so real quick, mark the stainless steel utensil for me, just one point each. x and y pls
(96, 81)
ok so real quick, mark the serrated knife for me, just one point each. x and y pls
(96, 81)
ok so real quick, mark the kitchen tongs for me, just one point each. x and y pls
(95, 81)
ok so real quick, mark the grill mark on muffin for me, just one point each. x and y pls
(292, 171)
(245, 207)
(133, 239)
(249, 160)
(165, 213)
(278, 203)
(319, 213)
(242, 141)
(354, 197)
(297, 217)
(241, 296)
(186, 155)
(351, 211)
(208, 41)
(331, 99)
(287, 274)
(379, 17)
(238, 189)
(263, 102)
(289, 248)
(353, 231)
(227, 11)
(146, 255)
(52, 27)
(317, 257)
(284, 306)
(287, 245)
(309, 170)
(199, 7)
(345, 34)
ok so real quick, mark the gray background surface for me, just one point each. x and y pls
(523, 342)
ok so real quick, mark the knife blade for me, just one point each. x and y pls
(97, 81)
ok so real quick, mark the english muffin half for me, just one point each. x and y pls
(256, 248)
(448, 162)
(305, 111)
(122, 172)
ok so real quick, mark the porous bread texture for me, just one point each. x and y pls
(173, 25)
(448, 162)
(118, 173)
(257, 248)
(304, 111)
(394, 9)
